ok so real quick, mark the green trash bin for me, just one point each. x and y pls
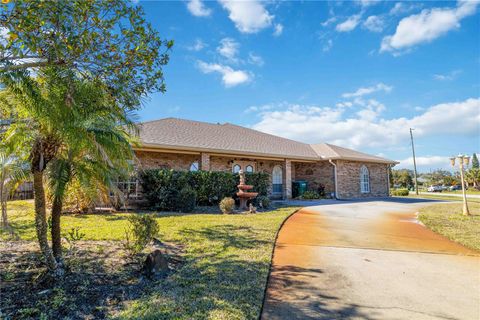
(298, 188)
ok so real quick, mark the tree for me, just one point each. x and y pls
(49, 126)
(101, 154)
(107, 43)
(402, 178)
(106, 40)
(475, 163)
(13, 171)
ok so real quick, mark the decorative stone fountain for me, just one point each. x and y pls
(243, 193)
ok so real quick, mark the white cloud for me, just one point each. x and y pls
(427, 26)
(367, 3)
(349, 24)
(258, 108)
(198, 9)
(230, 77)
(432, 162)
(329, 21)
(278, 30)
(368, 90)
(255, 59)
(229, 49)
(401, 8)
(197, 45)
(343, 127)
(374, 23)
(327, 45)
(248, 16)
(447, 77)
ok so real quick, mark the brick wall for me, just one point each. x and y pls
(175, 161)
(348, 176)
(316, 174)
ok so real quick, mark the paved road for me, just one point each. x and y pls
(369, 260)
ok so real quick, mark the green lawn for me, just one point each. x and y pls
(439, 196)
(227, 259)
(447, 219)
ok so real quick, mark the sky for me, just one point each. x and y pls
(357, 74)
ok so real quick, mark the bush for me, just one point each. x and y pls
(262, 201)
(227, 205)
(187, 199)
(310, 195)
(399, 192)
(162, 188)
(143, 228)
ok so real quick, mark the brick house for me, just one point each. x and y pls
(191, 145)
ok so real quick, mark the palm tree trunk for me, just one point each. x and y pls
(41, 220)
(56, 237)
(3, 204)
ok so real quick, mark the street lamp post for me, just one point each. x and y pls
(462, 160)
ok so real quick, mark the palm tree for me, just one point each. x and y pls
(13, 171)
(56, 113)
(94, 164)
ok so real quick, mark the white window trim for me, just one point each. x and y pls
(197, 166)
(364, 179)
(233, 167)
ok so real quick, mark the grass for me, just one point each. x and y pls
(447, 219)
(438, 196)
(227, 259)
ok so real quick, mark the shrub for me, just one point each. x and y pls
(162, 188)
(399, 192)
(263, 201)
(187, 199)
(227, 205)
(143, 228)
(310, 195)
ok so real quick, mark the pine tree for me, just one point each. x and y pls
(475, 164)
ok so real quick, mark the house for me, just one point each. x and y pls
(191, 145)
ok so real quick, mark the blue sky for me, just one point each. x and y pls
(357, 74)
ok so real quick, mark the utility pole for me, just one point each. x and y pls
(414, 163)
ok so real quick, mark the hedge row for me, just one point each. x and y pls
(182, 190)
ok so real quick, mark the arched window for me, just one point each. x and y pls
(194, 166)
(249, 168)
(236, 168)
(277, 182)
(364, 180)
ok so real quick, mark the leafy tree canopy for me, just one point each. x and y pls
(475, 163)
(107, 40)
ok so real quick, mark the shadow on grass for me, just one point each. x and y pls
(231, 236)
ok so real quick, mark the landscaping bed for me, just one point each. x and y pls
(223, 273)
(447, 219)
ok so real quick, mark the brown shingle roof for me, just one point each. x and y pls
(227, 138)
(329, 151)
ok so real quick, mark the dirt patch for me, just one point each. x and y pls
(100, 281)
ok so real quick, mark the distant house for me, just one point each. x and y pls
(191, 145)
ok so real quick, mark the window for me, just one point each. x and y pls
(194, 166)
(236, 168)
(277, 183)
(249, 168)
(364, 180)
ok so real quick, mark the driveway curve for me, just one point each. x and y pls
(369, 260)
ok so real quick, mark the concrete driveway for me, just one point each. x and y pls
(369, 260)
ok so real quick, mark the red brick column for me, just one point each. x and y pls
(205, 164)
(288, 179)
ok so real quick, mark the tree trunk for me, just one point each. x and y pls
(41, 220)
(3, 204)
(56, 237)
